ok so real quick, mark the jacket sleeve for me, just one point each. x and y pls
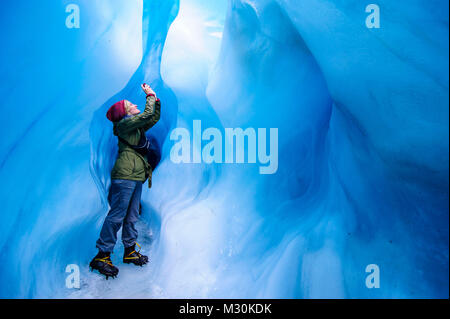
(146, 119)
(157, 116)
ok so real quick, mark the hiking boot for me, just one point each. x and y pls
(131, 256)
(102, 263)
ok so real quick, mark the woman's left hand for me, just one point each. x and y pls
(147, 89)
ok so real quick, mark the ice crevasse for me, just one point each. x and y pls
(362, 167)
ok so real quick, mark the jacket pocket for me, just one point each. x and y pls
(135, 165)
(124, 165)
(139, 166)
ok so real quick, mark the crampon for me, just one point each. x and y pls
(104, 266)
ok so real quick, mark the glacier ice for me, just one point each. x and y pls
(362, 118)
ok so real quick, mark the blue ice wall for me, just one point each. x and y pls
(362, 118)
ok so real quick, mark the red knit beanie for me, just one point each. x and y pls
(117, 111)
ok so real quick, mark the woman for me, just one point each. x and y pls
(130, 170)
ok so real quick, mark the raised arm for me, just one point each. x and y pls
(145, 120)
(156, 116)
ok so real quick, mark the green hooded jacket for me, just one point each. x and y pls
(130, 164)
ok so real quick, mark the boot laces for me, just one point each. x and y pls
(106, 260)
(134, 252)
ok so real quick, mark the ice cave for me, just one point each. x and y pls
(362, 150)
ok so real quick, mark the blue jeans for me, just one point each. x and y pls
(124, 199)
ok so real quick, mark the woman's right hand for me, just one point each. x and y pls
(147, 89)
